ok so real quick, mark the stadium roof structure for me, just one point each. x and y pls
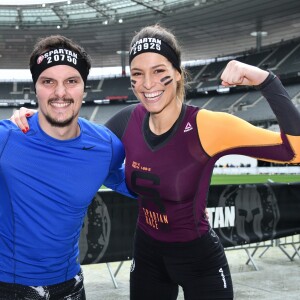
(205, 28)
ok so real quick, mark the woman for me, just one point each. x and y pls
(171, 149)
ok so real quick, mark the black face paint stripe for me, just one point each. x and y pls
(168, 82)
(165, 78)
(133, 82)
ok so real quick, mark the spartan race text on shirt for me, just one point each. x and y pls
(146, 44)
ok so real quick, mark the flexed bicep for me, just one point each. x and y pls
(222, 134)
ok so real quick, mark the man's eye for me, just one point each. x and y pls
(47, 81)
(72, 81)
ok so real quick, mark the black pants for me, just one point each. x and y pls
(72, 289)
(200, 267)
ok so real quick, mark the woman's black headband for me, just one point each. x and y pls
(59, 56)
(151, 44)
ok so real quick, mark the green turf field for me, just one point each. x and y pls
(241, 179)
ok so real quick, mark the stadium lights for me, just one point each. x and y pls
(122, 52)
(259, 33)
(197, 3)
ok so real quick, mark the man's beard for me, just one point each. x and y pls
(64, 123)
(55, 123)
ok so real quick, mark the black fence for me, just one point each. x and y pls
(240, 214)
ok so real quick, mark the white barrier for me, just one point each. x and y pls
(257, 170)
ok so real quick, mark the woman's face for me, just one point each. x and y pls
(154, 81)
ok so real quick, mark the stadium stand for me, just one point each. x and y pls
(104, 112)
(258, 113)
(111, 89)
(221, 102)
(6, 112)
(255, 59)
(276, 56)
(291, 63)
(209, 76)
(105, 96)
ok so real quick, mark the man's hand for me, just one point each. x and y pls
(20, 116)
(238, 73)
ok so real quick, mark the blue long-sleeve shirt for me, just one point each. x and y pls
(46, 186)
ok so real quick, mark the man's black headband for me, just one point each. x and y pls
(156, 45)
(59, 56)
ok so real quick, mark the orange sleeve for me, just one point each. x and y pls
(219, 131)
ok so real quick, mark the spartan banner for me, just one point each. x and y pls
(239, 214)
(108, 229)
(243, 214)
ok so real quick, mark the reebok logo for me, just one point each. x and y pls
(188, 127)
(88, 148)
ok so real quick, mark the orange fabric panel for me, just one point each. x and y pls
(220, 131)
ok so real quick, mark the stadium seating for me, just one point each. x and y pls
(105, 96)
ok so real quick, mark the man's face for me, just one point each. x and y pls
(59, 90)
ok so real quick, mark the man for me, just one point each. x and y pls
(49, 176)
